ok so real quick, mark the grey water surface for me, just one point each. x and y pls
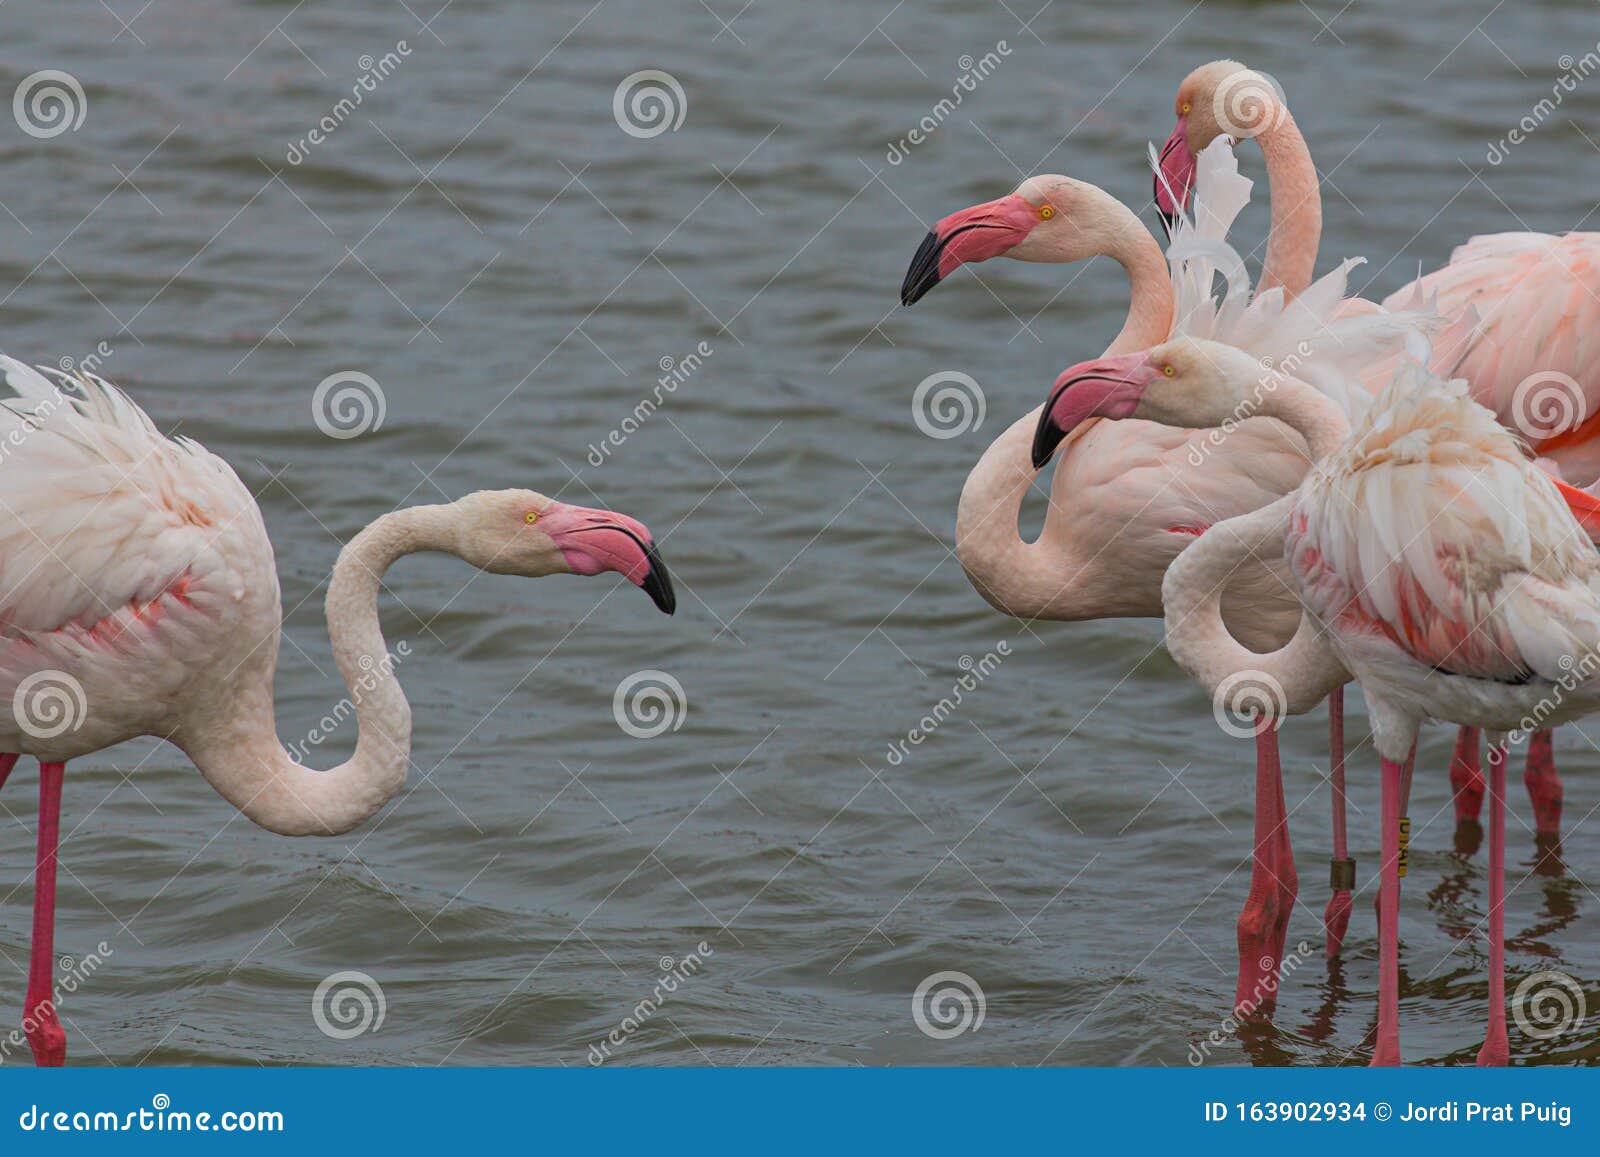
(483, 239)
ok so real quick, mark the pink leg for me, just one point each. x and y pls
(1342, 871)
(1466, 776)
(1544, 785)
(8, 760)
(1273, 885)
(40, 1024)
(1386, 1050)
(1496, 1050)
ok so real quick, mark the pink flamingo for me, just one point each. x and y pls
(1529, 354)
(1436, 563)
(1127, 497)
(138, 596)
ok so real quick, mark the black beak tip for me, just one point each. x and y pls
(1046, 437)
(924, 272)
(658, 583)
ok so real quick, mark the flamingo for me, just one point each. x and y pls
(1435, 562)
(138, 596)
(1531, 355)
(1127, 497)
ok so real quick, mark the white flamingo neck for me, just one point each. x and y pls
(1033, 579)
(240, 753)
(1308, 412)
(1296, 203)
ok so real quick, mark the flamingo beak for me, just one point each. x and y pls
(594, 541)
(974, 234)
(1174, 176)
(1103, 388)
(1585, 508)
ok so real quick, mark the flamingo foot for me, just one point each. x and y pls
(1386, 1053)
(1495, 1051)
(1336, 921)
(1544, 785)
(1466, 780)
(46, 1037)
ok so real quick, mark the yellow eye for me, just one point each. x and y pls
(1046, 212)
(1184, 108)
(531, 517)
(1168, 370)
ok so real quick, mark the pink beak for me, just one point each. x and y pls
(974, 234)
(1103, 388)
(593, 541)
(1175, 179)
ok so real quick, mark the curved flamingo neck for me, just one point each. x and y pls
(1296, 201)
(1034, 579)
(1308, 412)
(240, 754)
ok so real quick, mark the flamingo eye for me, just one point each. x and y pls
(1168, 370)
(531, 517)
(1184, 108)
(1046, 212)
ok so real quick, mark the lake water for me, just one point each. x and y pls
(482, 239)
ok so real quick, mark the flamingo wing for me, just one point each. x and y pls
(101, 515)
(1532, 350)
(1431, 530)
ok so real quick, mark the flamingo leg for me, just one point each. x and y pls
(1342, 870)
(1496, 1050)
(1466, 776)
(40, 1023)
(1544, 785)
(1386, 1049)
(1264, 921)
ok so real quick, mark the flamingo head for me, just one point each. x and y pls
(1223, 96)
(1182, 382)
(522, 532)
(1038, 222)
